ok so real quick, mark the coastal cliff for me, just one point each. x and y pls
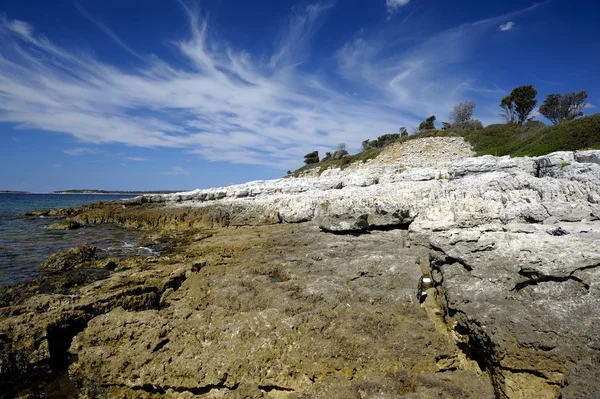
(428, 274)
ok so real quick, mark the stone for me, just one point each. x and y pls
(509, 293)
(62, 261)
(66, 225)
(589, 156)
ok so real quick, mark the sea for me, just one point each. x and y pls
(25, 241)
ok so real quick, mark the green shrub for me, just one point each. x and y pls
(382, 141)
(534, 138)
(311, 158)
(470, 125)
(427, 124)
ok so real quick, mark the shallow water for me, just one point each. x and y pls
(25, 241)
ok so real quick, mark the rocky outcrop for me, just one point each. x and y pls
(255, 312)
(525, 297)
(40, 319)
(514, 263)
(282, 322)
(476, 277)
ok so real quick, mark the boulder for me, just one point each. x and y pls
(347, 215)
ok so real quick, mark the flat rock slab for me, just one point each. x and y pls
(284, 311)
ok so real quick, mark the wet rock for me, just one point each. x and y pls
(61, 261)
(66, 225)
(39, 319)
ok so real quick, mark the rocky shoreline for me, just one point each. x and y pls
(309, 287)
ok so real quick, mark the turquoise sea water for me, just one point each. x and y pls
(25, 241)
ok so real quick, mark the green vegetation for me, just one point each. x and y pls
(311, 158)
(427, 124)
(560, 108)
(519, 104)
(384, 140)
(341, 162)
(534, 138)
(519, 136)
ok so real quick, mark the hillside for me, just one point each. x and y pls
(532, 139)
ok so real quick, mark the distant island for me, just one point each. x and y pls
(108, 192)
(13, 192)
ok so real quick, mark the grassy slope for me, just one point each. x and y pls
(532, 139)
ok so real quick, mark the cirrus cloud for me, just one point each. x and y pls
(226, 104)
(395, 5)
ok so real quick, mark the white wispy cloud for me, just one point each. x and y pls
(80, 151)
(137, 159)
(226, 104)
(105, 29)
(394, 5)
(176, 171)
(589, 106)
(505, 27)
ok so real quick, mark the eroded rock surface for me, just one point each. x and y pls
(306, 288)
(294, 313)
(513, 246)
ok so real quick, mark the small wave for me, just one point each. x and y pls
(126, 245)
(150, 251)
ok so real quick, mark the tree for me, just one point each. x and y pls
(564, 107)
(519, 104)
(446, 126)
(462, 112)
(403, 132)
(340, 152)
(525, 102)
(427, 124)
(508, 109)
(311, 158)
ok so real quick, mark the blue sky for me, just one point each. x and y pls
(166, 94)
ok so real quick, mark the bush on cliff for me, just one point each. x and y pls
(383, 140)
(311, 158)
